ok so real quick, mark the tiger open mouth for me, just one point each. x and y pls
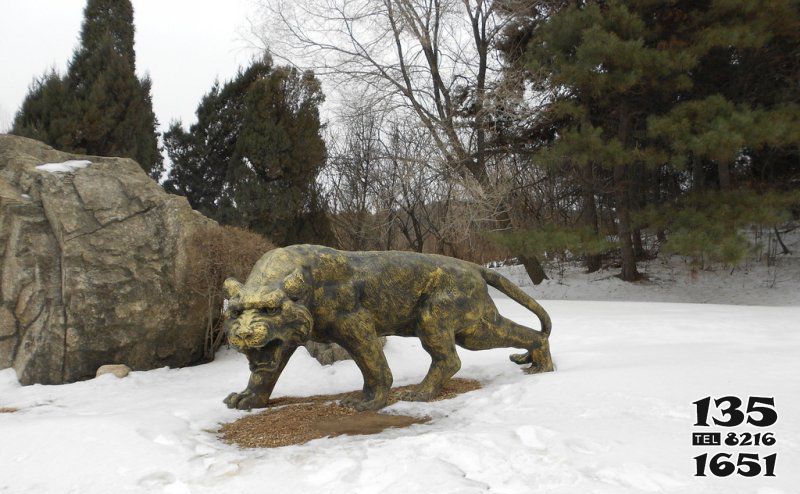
(269, 356)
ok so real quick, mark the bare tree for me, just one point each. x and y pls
(386, 182)
(412, 183)
(429, 58)
(429, 64)
(351, 175)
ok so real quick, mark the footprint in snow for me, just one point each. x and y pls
(585, 446)
(156, 479)
(534, 437)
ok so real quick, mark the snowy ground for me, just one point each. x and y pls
(672, 279)
(616, 417)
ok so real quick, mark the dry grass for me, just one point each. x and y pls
(8, 409)
(293, 420)
(215, 253)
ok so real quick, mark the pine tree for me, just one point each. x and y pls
(282, 149)
(200, 157)
(737, 128)
(45, 113)
(254, 154)
(744, 92)
(102, 108)
(649, 96)
(604, 69)
(711, 226)
(551, 241)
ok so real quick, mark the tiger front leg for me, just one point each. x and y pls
(255, 395)
(368, 356)
(260, 385)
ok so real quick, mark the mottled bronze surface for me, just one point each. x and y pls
(309, 292)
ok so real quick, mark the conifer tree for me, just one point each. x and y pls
(603, 68)
(738, 124)
(45, 114)
(648, 97)
(200, 156)
(103, 108)
(254, 154)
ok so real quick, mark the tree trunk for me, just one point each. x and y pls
(724, 172)
(390, 233)
(698, 177)
(638, 200)
(534, 269)
(629, 272)
(532, 265)
(419, 243)
(593, 261)
(785, 249)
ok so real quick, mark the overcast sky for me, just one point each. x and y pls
(183, 44)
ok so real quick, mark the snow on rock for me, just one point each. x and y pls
(616, 417)
(65, 166)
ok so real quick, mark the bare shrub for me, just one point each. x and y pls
(215, 253)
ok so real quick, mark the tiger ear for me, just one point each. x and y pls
(294, 285)
(231, 288)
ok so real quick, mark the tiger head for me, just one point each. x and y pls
(268, 321)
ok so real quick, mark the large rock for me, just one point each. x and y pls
(92, 263)
(326, 353)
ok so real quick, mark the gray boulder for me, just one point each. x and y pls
(92, 266)
(326, 353)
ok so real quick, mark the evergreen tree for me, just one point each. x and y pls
(102, 107)
(551, 241)
(605, 70)
(45, 114)
(254, 154)
(711, 226)
(644, 97)
(737, 129)
(200, 156)
(744, 94)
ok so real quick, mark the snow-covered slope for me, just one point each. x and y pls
(616, 417)
(673, 279)
(670, 279)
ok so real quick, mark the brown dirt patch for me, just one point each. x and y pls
(296, 420)
(8, 409)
